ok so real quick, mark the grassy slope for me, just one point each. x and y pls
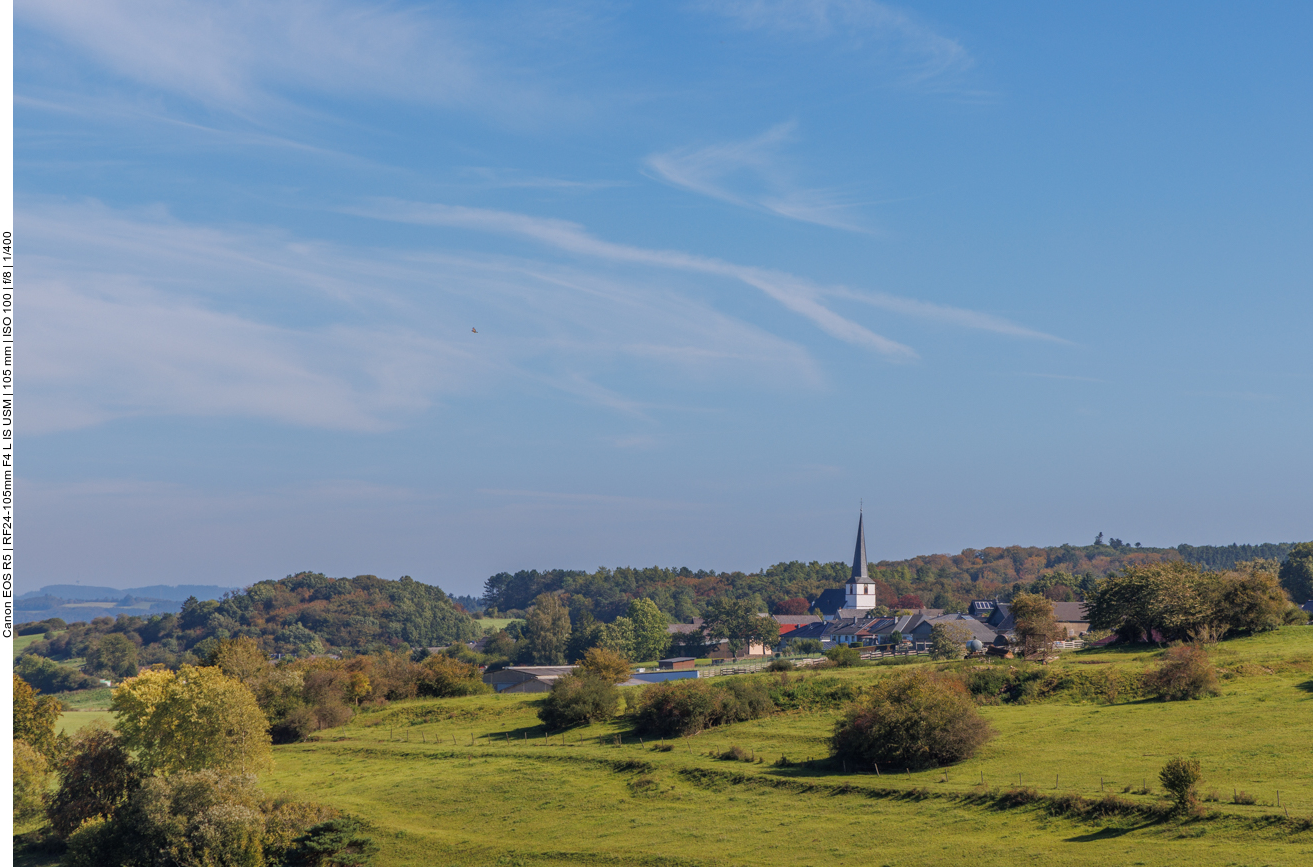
(526, 802)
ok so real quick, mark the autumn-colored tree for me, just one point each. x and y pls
(443, 677)
(605, 664)
(35, 718)
(794, 606)
(909, 601)
(1035, 627)
(191, 720)
(357, 687)
(242, 658)
(547, 630)
(31, 777)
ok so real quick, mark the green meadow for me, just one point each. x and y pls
(476, 780)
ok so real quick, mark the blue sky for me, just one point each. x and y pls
(1011, 274)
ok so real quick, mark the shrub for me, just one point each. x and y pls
(685, 707)
(780, 665)
(330, 716)
(31, 775)
(1242, 797)
(335, 843)
(1185, 672)
(443, 677)
(735, 754)
(1179, 777)
(844, 656)
(578, 699)
(297, 725)
(806, 645)
(913, 721)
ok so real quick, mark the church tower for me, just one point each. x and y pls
(860, 592)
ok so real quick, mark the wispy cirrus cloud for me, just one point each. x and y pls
(922, 53)
(793, 293)
(797, 294)
(136, 313)
(248, 57)
(749, 174)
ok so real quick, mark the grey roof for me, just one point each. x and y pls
(860, 575)
(978, 630)
(830, 601)
(795, 619)
(1070, 612)
(811, 630)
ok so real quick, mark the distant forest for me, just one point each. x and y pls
(945, 581)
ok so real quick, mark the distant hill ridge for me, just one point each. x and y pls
(169, 592)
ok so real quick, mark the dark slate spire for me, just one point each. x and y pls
(859, 555)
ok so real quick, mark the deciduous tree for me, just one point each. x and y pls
(547, 630)
(1035, 627)
(194, 719)
(1297, 573)
(650, 636)
(739, 623)
(35, 718)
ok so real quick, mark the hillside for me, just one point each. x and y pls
(948, 581)
(578, 797)
(297, 615)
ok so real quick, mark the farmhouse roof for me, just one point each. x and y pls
(795, 619)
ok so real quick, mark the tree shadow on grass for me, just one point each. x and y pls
(1108, 833)
(1306, 686)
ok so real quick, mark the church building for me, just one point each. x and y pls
(858, 597)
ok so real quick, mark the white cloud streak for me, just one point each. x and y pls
(793, 293)
(730, 171)
(250, 56)
(133, 314)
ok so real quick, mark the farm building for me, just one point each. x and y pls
(526, 678)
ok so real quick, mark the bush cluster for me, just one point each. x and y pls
(1185, 672)
(302, 696)
(918, 720)
(204, 818)
(685, 707)
(578, 699)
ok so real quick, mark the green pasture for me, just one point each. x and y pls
(85, 699)
(474, 781)
(496, 623)
(74, 720)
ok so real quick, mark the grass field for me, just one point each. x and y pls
(71, 721)
(473, 781)
(495, 623)
(22, 642)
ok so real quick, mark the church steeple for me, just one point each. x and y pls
(859, 554)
